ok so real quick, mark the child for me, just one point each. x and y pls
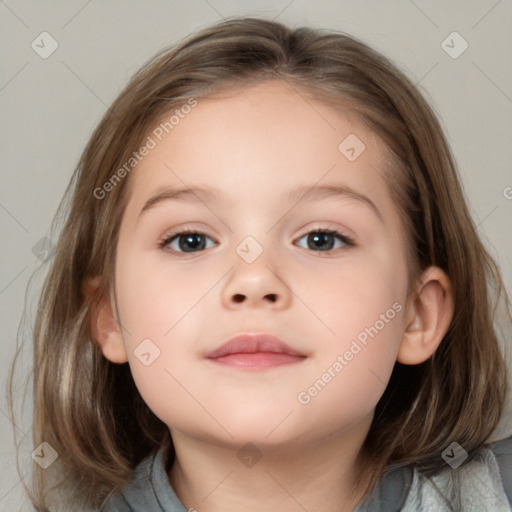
(268, 227)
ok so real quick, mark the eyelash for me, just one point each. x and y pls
(348, 241)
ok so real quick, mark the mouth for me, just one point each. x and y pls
(255, 351)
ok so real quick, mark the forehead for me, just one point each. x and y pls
(262, 139)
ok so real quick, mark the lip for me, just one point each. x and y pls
(255, 351)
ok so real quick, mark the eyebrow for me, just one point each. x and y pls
(301, 193)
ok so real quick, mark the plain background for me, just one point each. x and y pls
(50, 107)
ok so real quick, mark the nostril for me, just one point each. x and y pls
(238, 297)
(272, 297)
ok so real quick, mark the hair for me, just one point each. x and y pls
(89, 409)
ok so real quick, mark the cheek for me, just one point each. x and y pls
(352, 295)
(154, 297)
(159, 310)
(361, 307)
(352, 373)
(163, 389)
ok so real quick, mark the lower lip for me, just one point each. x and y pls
(258, 359)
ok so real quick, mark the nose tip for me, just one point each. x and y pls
(256, 285)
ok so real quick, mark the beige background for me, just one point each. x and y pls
(50, 106)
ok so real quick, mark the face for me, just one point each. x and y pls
(276, 172)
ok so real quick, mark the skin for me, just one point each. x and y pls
(254, 145)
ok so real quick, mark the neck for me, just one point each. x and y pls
(314, 476)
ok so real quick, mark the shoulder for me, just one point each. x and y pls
(149, 489)
(482, 483)
(502, 451)
(136, 494)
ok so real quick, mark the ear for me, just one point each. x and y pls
(428, 317)
(104, 326)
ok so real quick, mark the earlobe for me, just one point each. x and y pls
(104, 328)
(429, 315)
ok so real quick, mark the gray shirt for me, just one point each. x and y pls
(482, 484)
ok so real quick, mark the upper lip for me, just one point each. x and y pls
(250, 343)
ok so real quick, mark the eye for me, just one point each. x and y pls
(325, 239)
(187, 241)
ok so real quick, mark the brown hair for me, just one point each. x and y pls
(89, 409)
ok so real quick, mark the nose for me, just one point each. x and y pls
(255, 285)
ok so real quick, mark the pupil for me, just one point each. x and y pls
(321, 237)
(194, 241)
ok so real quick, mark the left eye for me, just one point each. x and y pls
(324, 240)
